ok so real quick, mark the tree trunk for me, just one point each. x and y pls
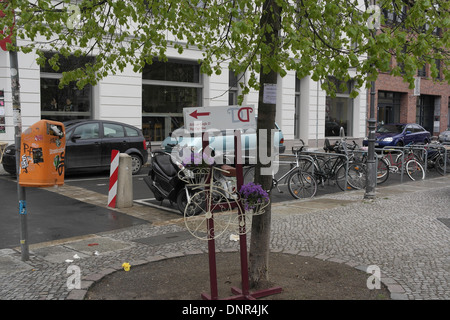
(260, 238)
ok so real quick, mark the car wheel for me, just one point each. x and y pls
(10, 170)
(136, 163)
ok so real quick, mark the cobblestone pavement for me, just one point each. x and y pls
(405, 231)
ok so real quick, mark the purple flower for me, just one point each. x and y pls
(253, 194)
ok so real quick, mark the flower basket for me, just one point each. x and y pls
(253, 198)
(255, 208)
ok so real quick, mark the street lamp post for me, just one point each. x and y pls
(371, 163)
(21, 194)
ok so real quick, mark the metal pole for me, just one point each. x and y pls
(371, 164)
(15, 91)
(242, 233)
(210, 230)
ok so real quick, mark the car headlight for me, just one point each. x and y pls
(388, 139)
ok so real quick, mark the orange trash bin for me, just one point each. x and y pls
(42, 153)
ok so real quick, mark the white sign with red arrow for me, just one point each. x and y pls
(219, 118)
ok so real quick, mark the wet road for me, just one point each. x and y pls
(51, 216)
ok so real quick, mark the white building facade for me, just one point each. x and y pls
(154, 99)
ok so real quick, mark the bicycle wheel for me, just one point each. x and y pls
(356, 176)
(302, 185)
(382, 171)
(415, 170)
(441, 166)
(249, 175)
(204, 221)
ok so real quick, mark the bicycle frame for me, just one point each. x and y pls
(316, 169)
(401, 164)
(275, 182)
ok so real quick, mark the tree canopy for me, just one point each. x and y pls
(317, 38)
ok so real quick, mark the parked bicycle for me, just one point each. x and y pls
(301, 184)
(436, 157)
(405, 159)
(342, 168)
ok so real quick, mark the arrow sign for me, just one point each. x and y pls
(196, 114)
(201, 119)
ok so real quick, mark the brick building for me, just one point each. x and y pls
(427, 105)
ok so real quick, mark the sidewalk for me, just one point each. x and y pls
(405, 231)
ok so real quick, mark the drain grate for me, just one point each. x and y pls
(445, 221)
(166, 238)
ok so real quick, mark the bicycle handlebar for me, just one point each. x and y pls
(297, 150)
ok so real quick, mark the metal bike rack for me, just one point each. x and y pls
(402, 151)
(398, 150)
(438, 146)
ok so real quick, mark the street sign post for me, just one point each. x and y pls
(219, 118)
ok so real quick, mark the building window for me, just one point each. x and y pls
(233, 83)
(339, 110)
(68, 103)
(394, 15)
(425, 111)
(422, 72)
(297, 108)
(167, 88)
(438, 68)
(388, 109)
(448, 114)
(2, 112)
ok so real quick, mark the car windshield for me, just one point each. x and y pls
(391, 128)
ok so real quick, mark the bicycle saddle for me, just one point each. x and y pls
(328, 147)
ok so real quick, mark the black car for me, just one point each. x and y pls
(89, 144)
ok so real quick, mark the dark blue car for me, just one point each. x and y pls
(400, 134)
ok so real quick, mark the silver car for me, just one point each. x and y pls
(444, 136)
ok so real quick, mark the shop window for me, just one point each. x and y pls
(173, 70)
(69, 102)
(339, 113)
(339, 109)
(167, 88)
